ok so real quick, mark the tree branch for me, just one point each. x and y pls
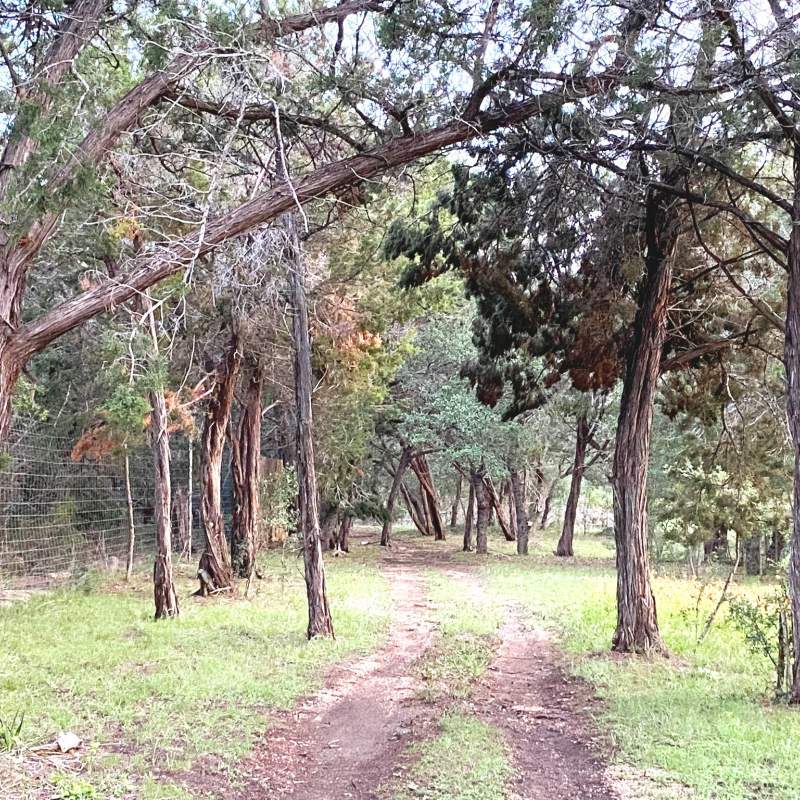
(169, 260)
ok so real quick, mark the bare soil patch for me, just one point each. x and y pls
(344, 742)
(545, 716)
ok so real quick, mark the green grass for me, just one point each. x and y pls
(703, 716)
(152, 697)
(466, 761)
(465, 639)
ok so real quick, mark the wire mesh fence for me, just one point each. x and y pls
(61, 515)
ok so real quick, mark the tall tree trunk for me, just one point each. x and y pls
(469, 516)
(190, 500)
(319, 614)
(419, 465)
(482, 518)
(10, 363)
(548, 504)
(131, 524)
(246, 468)
(215, 572)
(752, 555)
(520, 514)
(637, 624)
(792, 362)
(456, 502)
(484, 508)
(343, 534)
(166, 600)
(183, 525)
(564, 547)
(397, 478)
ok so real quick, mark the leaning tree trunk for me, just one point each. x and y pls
(246, 469)
(520, 514)
(397, 479)
(469, 516)
(416, 510)
(319, 614)
(564, 547)
(215, 572)
(456, 502)
(637, 624)
(792, 362)
(496, 506)
(419, 465)
(166, 600)
(484, 510)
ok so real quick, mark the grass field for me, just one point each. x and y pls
(703, 717)
(151, 698)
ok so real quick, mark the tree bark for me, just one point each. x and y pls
(343, 534)
(497, 506)
(183, 524)
(319, 614)
(246, 468)
(416, 510)
(520, 514)
(637, 624)
(564, 547)
(189, 500)
(166, 600)
(792, 362)
(329, 520)
(397, 479)
(215, 571)
(131, 524)
(469, 516)
(456, 502)
(484, 508)
(752, 555)
(548, 503)
(419, 465)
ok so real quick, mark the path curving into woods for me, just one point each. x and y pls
(350, 739)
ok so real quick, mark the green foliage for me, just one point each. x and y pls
(25, 402)
(125, 410)
(437, 408)
(765, 621)
(72, 788)
(11, 730)
(278, 502)
(700, 501)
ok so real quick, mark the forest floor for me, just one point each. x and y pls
(453, 677)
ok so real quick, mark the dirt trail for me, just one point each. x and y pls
(348, 740)
(343, 743)
(543, 714)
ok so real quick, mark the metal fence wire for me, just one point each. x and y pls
(60, 516)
